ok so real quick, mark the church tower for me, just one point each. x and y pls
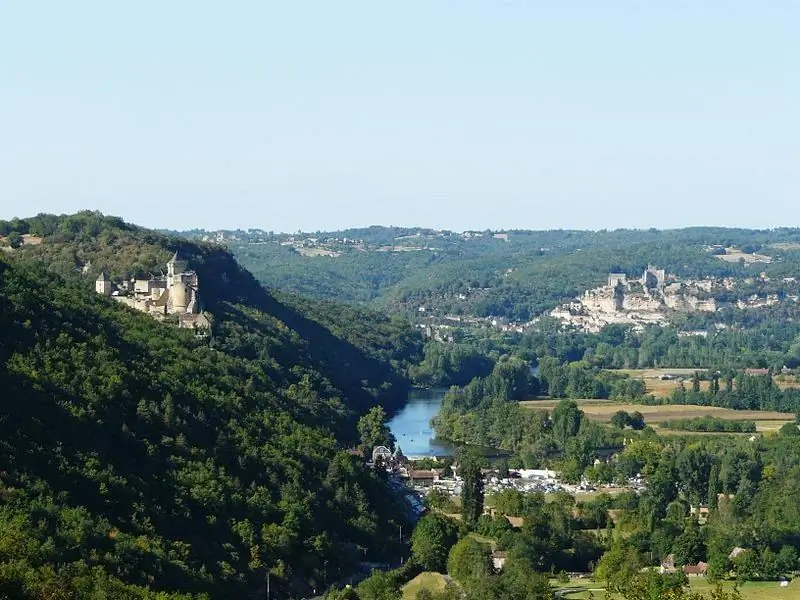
(103, 284)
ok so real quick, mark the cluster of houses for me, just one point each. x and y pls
(446, 478)
(700, 569)
(441, 329)
(668, 567)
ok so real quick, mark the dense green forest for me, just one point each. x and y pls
(140, 461)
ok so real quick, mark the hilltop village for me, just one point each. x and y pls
(174, 293)
(638, 302)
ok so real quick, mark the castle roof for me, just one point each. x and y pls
(103, 276)
(176, 258)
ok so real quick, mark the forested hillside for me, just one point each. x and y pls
(514, 274)
(352, 347)
(138, 458)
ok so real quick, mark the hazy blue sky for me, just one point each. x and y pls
(320, 115)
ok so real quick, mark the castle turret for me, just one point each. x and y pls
(103, 284)
(176, 266)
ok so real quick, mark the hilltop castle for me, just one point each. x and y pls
(176, 293)
(636, 301)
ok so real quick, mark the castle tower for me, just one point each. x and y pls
(179, 294)
(175, 267)
(103, 284)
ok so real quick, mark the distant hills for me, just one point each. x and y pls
(137, 458)
(514, 274)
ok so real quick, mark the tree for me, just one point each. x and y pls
(713, 486)
(347, 593)
(373, 430)
(789, 429)
(747, 565)
(14, 239)
(618, 566)
(469, 560)
(379, 586)
(519, 582)
(431, 541)
(567, 419)
(620, 419)
(689, 546)
(471, 491)
(502, 468)
(636, 420)
(787, 560)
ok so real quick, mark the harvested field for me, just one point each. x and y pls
(603, 410)
(660, 388)
(657, 373)
(733, 255)
(784, 382)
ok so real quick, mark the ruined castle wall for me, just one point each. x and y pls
(641, 302)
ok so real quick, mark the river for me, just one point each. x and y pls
(411, 426)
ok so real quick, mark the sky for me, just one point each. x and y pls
(462, 114)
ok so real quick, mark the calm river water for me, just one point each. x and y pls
(411, 426)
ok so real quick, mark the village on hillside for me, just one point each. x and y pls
(648, 300)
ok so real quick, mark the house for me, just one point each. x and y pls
(668, 565)
(698, 570)
(423, 477)
(499, 558)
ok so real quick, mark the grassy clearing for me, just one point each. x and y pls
(751, 590)
(482, 539)
(428, 580)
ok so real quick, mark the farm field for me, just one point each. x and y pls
(661, 388)
(603, 410)
(732, 255)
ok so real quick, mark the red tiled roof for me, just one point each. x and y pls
(697, 569)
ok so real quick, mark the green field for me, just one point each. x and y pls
(428, 580)
(751, 590)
